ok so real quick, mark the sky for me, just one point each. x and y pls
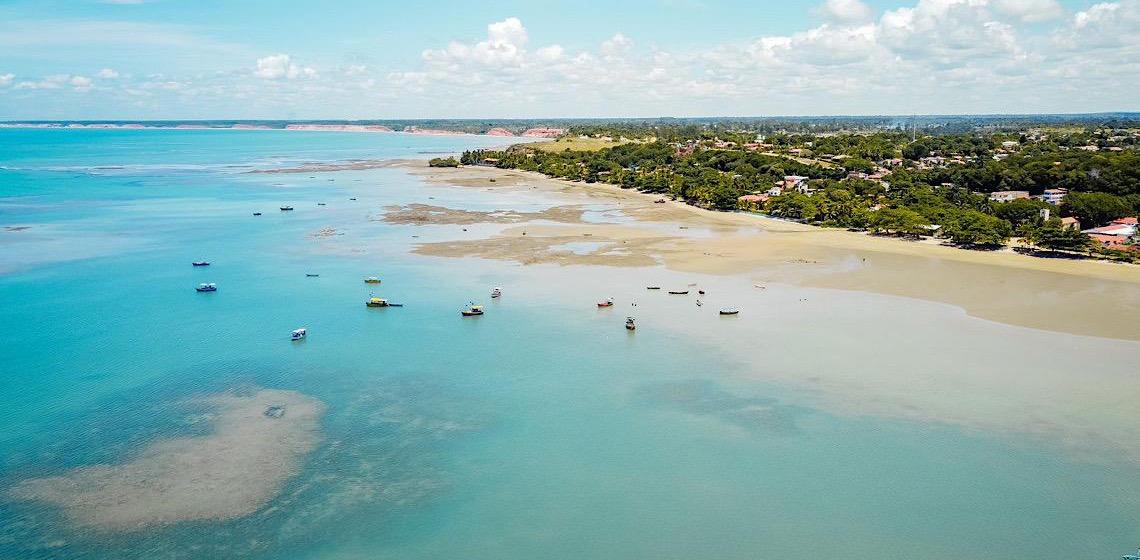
(377, 59)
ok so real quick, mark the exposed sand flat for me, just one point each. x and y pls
(425, 214)
(258, 442)
(316, 167)
(1080, 297)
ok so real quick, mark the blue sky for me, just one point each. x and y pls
(154, 59)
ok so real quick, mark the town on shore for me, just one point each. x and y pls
(1046, 189)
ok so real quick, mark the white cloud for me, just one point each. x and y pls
(616, 45)
(6, 79)
(1030, 10)
(107, 74)
(80, 83)
(277, 66)
(845, 11)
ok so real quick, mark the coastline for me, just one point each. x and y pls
(1093, 298)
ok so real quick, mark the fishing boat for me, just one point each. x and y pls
(207, 288)
(629, 324)
(372, 280)
(286, 208)
(609, 302)
(497, 292)
(200, 263)
(679, 292)
(298, 334)
(257, 213)
(729, 311)
(653, 287)
(376, 302)
(472, 310)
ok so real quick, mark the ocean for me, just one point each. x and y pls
(541, 430)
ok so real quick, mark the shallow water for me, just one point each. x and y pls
(817, 423)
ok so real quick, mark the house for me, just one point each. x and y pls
(490, 161)
(1120, 234)
(794, 181)
(1006, 196)
(776, 191)
(1070, 223)
(1054, 196)
(1009, 144)
(753, 202)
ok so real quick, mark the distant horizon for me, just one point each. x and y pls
(1135, 113)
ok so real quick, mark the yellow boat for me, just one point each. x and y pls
(372, 280)
(376, 302)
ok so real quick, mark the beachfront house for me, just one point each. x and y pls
(1006, 196)
(752, 202)
(1120, 234)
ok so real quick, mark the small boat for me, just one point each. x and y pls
(659, 201)
(298, 334)
(653, 287)
(629, 324)
(678, 292)
(372, 280)
(701, 292)
(353, 198)
(391, 304)
(608, 303)
(207, 288)
(257, 213)
(286, 208)
(497, 292)
(307, 275)
(700, 303)
(376, 302)
(320, 204)
(200, 263)
(472, 310)
(729, 311)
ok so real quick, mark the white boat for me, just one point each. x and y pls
(299, 333)
(497, 292)
(629, 324)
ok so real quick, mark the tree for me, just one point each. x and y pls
(1055, 238)
(1021, 211)
(898, 221)
(793, 205)
(972, 227)
(1095, 209)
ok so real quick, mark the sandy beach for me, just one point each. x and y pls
(1073, 296)
(258, 442)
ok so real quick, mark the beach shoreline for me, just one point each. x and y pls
(1086, 297)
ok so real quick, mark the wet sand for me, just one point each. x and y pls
(258, 442)
(1073, 296)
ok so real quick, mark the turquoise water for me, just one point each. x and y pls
(542, 429)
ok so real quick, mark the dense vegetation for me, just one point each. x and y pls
(936, 184)
(443, 162)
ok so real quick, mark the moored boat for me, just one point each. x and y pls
(200, 263)
(609, 302)
(257, 213)
(207, 287)
(376, 302)
(286, 208)
(630, 324)
(729, 311)
(311, 275)
(678, 292)
(472, 310)
(299, 334)
(372, 280)
(653, 287)
(497, 292)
